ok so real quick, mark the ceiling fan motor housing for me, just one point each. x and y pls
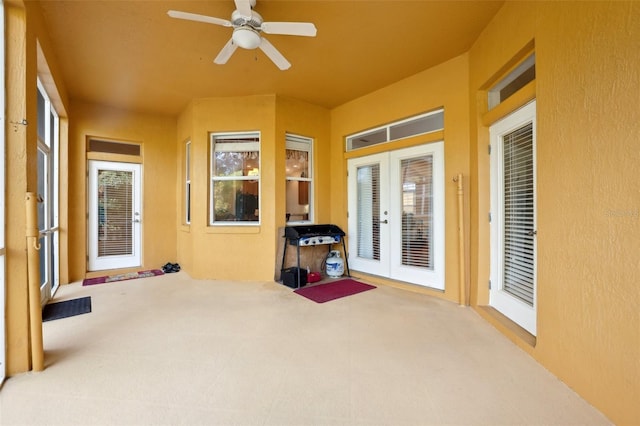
(246, 31)
(238, 20)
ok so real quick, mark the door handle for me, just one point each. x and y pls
(384, 221)
(532, 233)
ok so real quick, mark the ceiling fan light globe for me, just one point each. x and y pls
(246, 37)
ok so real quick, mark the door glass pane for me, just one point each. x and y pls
(519, 214)
(42, 189)
(43, 252)
(417, 211)
(41, 117)
(115, 208)
(368, 192)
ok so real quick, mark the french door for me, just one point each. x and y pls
(396, 214)
(115, 215)
(513, 221)
(3, 306)
(48, 191)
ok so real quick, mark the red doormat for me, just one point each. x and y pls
(334, 290)
(122, 277)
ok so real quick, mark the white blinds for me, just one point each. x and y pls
(115, 207)
(368, 190)
(519, 214)
(417, 211)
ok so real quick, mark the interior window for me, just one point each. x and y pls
(299, 179)
(235, 179)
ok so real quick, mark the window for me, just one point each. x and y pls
(48, 147)
(299, 179)
(235, 179)
(111, 147)
(187, 183)
(417, 125)
(522, 75)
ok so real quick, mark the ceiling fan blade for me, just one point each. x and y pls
(273, 54)
(198, 18)
(289, 28)
(226, 52)
(244, 7)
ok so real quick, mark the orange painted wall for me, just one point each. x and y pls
(588, 130)
(24, 29)
(157, 134)
(242, 252)
(588, 117)
(445, 85)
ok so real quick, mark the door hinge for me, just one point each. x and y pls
(489, 149)
(489, 284)
(489, 217)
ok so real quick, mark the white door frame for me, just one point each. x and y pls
(95, 262)
(372, 266)
(516, 310)
(433, 278)
(390, 263)
(3, 307)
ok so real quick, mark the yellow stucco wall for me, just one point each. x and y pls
(243, 252)
(445, 85)
(588, 128)
(157, 135)
(588, 111)
(24, 30)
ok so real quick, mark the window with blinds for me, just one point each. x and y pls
(519, 206)
(417, 211)
(115, 212)
(368, 190)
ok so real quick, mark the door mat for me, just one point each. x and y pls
(122, 277)
(68, 308)
(335, 290)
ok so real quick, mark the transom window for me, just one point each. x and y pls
(235, 179)
(299, 179)
(521, 75)
(417, 125)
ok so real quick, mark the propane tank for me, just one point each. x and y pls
(335, 264)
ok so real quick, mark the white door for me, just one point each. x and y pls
(48, 191)
(396, 214)
(115, 215)
(3, 308)
(368, 190)
(513, 217)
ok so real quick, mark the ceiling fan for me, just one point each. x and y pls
(247, 25)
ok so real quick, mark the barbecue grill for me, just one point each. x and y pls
(312, 235)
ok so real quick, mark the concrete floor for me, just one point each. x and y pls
(176, 351)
